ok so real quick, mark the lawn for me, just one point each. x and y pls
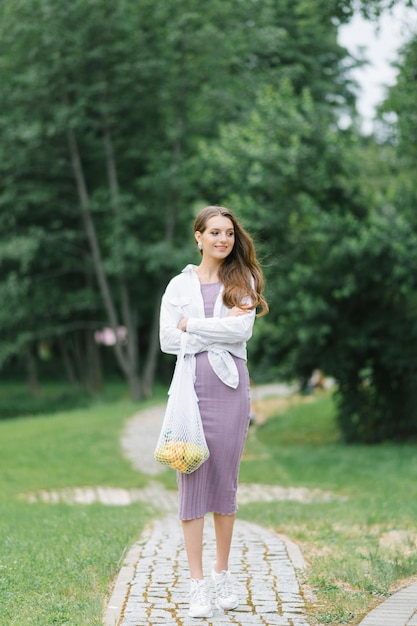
(58, 561)
(362, 544)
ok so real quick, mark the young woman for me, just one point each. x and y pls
(215, 304)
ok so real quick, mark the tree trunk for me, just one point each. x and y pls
(132, 342)
(80, 359)
(95, 373)
(127, 367)
(66, 359)
(153, 352)
(31, 371)
(127, 313)
(153, 348)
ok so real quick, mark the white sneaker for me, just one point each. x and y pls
(200, 601)
(226, 597)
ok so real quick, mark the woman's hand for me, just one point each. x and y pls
(182, 324)
(238, 310)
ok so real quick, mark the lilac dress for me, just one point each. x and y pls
(225, 413)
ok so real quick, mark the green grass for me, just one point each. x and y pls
(57, 561)
(359, 547)
(17, 401)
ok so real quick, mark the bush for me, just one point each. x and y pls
(352, 313)
(20, 404)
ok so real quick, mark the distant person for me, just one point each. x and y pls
(316, 381)
(215, 304)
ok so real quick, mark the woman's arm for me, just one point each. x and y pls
(170, 333)
(234, 328)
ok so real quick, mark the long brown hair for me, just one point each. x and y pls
(240, 272)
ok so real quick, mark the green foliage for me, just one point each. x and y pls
(138, 86)
(353, 315)
(338, 249)
(399, 128)
(138, 113)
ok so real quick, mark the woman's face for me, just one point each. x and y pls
(218, 238)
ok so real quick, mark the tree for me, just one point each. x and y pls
(353, 315)
(104, 107)
(340, 286)
(42, 59)
(398, 127)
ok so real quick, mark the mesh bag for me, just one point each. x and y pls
(182, 444)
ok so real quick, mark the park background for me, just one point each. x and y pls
(118, 122)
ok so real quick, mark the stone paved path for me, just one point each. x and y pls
(399, 610)
(152, 589)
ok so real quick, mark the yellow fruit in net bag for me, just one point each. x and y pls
(193, 454)
(180, 465)
(170, 452)
(161, 453)
(184, 457)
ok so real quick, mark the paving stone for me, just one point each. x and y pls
(413, 620)
(398, 610)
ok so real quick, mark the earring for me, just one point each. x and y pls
(200, 245)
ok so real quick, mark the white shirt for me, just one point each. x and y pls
(219, 335)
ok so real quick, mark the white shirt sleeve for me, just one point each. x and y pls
(219, 333)
(223, 329)
(170, 334)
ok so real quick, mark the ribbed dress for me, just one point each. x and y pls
(225, 413)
